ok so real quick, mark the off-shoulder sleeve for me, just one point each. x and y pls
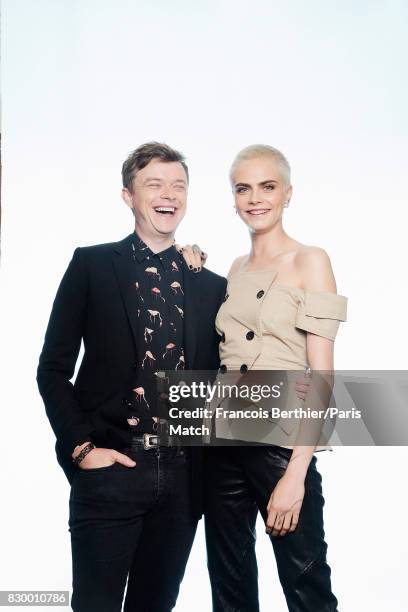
(320, 313)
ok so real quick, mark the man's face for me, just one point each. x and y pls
(158, 197)
(260, 193)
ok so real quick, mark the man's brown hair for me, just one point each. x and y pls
(140, 157)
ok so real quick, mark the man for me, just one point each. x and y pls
(135, 495)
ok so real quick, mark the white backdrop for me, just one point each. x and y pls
(84, 83)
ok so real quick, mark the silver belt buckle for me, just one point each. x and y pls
(146, 441)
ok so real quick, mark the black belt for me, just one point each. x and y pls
(149, 441)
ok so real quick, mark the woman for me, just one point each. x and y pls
(281, 312)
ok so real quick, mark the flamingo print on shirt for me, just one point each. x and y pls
(150, 358)
(181, 363)
(152, 316)
(159, 313)
(169, 349)
(180, 310)
(176, 287)
(137, 287)
(157, 293)
(153, 272)
(140, 396)
(148, 334)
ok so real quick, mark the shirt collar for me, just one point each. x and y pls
(140, 251)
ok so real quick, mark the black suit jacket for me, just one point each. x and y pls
(96, 304)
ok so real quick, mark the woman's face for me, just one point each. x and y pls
(260, 193)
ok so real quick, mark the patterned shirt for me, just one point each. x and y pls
(160, 340)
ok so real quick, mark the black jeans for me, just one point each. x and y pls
(239, 481)
(131, 522)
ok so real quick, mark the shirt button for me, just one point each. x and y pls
(222, 338)
(250, 335)
(223, 369)
(260, 294)
(243, 368)
(226, 297)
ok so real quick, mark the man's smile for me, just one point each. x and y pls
(165, 210)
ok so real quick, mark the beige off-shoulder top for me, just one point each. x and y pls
(263, 326)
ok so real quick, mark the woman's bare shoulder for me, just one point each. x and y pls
(314, 267)
(307, 254)
(238, 264)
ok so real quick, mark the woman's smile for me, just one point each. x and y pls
(258, 211)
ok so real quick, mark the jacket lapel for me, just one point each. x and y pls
(191, 320)
(126, 274)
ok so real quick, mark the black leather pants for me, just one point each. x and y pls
(239, 481)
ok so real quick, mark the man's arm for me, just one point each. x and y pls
(59, 355)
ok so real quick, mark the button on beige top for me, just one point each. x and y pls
(263, 325)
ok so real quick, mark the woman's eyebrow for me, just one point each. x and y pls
(241, 185)
(261, 183)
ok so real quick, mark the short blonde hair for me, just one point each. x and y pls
(261, 150)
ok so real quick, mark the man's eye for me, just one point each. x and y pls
(269, 187)
(155, 185)
(180, 187)
(241, 189)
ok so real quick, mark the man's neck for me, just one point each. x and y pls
(156, 243)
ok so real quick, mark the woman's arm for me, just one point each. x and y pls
(316, 272)
(286, 500)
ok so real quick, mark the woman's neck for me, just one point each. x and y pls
(269, 245)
